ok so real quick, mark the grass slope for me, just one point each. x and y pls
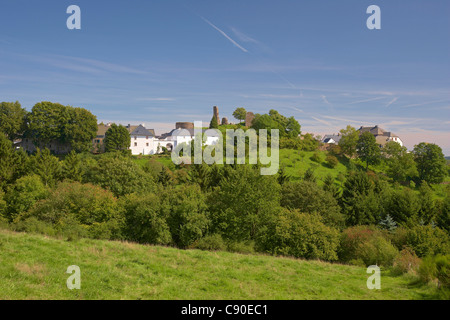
(34, 266)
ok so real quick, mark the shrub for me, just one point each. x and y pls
(213, 242)
(33, 225)
(437, 269)
(316, 157)
(300, 235)
(189, 217)
(24, 194)
(332, 161)
(83, 204)
(366, 244)
(406, 261)
(377, 251)
(246, 247)
(309, 198)
(426, 240)
(146, 218)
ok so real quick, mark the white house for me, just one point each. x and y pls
(144, 141)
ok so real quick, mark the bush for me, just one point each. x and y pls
(146, 218)
(316, 157)
(406, 261)
(86, 205)
(367, 245)
(332, 161)
(377, 251)
(189, 217)
(33, 225)
(300, 235)
(437, 269)
(247, 247)
(213, 242)
(307, 197)
(426, 240)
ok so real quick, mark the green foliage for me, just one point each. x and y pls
(309, 143)
(12, 119)
(309, 175)
(7, 161)
(360, 201)
(240, 113)
(332, 161)
(214, 123)
(288, 127)
(403, 205)
(401, 165)
(316, 157)
(437, 268)
(146, 218)
(24, 194)
(431, 162)
(406, 261)
(117, 138)
(426, 240)
(367, 149)
(349, 140)
(52, 122)
(307, 197)
(47, 166)
(212, 242)
(71, 167)
(79, 204)
(120, 175)
(366, 244)
(242, 202)
(377, 251)
(299, 235)
(189, 217)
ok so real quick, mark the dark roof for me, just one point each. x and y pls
(141, 131)
(335, 137)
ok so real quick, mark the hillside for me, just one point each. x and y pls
(33, 267)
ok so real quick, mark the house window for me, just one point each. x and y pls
(147, 144)
(146, 137)
(135, 138)
(135, 144)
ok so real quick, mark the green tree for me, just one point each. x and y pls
(367, 149)
(47, 166)
(80, 129)
(300, 235)
(7, 161)
(12, 119)
(240, 114)
(117, 138)
(349, 140)
(24, 194)
(146, 218)
(214, 123)
(360, 201)
(401, 165)
(120, 175)
(307, 197)
(71, 167)
(431, 162)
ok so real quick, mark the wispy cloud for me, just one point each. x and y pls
(423, 103)
(243, 37)
(391, 102)
(225, 35)
(324, 98)
(367, 100)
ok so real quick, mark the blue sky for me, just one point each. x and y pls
(158, 62)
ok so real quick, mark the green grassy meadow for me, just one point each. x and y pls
(34, 267)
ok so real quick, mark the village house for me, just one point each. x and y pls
(382, 137)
